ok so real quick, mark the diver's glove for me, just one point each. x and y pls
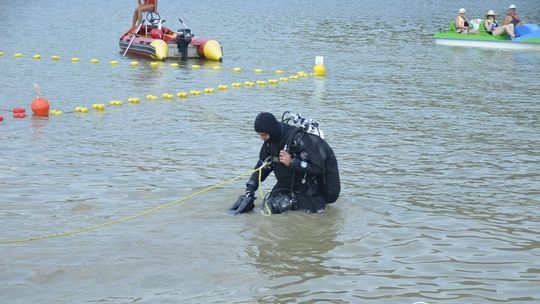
(244, 203)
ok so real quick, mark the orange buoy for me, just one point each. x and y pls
(40, 106)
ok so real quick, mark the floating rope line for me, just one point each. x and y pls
(128, 217)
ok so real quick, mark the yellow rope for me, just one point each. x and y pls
(266, 211)
(129, 217)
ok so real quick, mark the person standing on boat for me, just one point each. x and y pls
(144, 6)
(493, 28)
(512, 16)
(462, 23)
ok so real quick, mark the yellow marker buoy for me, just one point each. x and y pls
(134, 100)
(195, 92)
(248, 83)
(167, 96)
(56, 112)
(236, 84)
(75, 59)
(182, 94)
(55, 57)
(261, 82)
(81, 109)
(293, 77)
(195, 67)
(174, 65)
(279, 72)
(223, 87)
(154, 64)
(18, 55)
(216, 68)
(237, 70)
(319, 69)
(98, 106)
(300, 73)
(113, 62)
(272, 81)
(116, 102)
(258, 70)
(209, 90)
(283, 79)
(134, 63)
(36, 56)
(1, 53)
(94, 60)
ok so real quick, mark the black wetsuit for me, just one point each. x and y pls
(303, 176)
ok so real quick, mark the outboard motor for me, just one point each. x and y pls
(183, 39)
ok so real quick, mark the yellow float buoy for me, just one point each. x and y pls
(272, 81)
(174, 65)
(279, 72)
(237, 69)
(216, 68)
(1, 53)
(113, 62)
(319, 69)
(209, 90)
(75, 59)
(134, 63)
(55, 57)
(182, 94)
(94, 60)
(283, 79)
(236, 84)
(154, 64)
(195, 67)
(134, 100)
(195, 92)
(36, 56)
(258, 70)
(18, 55)
(223, 87)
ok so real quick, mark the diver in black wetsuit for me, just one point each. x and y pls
(298, 169)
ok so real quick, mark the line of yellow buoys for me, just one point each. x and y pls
(135, 63)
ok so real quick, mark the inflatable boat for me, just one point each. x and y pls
(153, 40)
(527, 37)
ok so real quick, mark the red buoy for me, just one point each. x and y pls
(18, 110)
(40, 107)
(1, 118)
(19, 115)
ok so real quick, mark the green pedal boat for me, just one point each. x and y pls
(527, 37)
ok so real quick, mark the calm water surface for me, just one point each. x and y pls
(439, 151)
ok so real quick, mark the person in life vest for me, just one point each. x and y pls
(493, 28)
(144, 6)
(297, 163)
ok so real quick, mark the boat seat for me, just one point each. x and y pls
(452, 26)
(482, 28)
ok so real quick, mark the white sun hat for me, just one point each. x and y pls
(512, 6)
(461, 11)
(491, 12)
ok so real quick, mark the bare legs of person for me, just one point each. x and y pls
(137, 14)
(508, 28)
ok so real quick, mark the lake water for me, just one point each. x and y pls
(438, 148)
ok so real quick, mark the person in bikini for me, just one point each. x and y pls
(462, 23)
(512, 17)
(144, 6)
